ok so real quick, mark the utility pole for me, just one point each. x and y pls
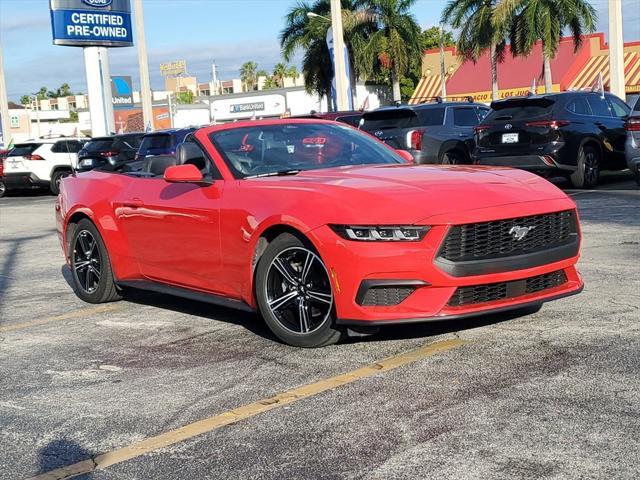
(340, 68)
(143, 62)
(616, 49)
(443, 70)
(214, 80)
(4, 104)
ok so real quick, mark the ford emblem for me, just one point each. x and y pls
(508, 126)
(98, 3)
(518, 233)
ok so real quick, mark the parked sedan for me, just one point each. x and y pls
(633, 140)
(575, 134)
(113, 152)
(319, 227)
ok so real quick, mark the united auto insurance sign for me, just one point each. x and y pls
(97, 23)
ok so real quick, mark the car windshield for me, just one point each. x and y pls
(99, 145)
(291, 147)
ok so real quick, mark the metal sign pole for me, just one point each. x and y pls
(143, 62)
(4, 104)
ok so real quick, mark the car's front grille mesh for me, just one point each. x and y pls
(499, 291)
(386, 296)
(499, 239)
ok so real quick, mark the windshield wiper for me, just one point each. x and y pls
(279, 173)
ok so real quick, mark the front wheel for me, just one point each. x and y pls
(588, 172)
(294, 294)
(93, 278)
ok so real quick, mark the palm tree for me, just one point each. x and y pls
(248, 75)
(309, 34)
(544, 20)
(279, 73)
(292, 72)
(479, 31)
(395, 41)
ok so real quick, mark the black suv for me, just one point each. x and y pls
(437, 132)
(110, 153)
(575, 134)
(162, 142)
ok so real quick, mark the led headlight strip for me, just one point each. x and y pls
(381, 233)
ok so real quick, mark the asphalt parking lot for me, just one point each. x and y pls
(155, 387)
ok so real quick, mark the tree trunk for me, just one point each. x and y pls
(397, 96)
(494, 73)
(548, 80)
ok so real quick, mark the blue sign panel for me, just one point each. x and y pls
(104, 23)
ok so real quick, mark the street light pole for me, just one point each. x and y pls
(4, 104)
(143, 62)
(616, 49)
(339, 67)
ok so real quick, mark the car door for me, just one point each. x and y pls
(611, 128)
(464, 119)
(620, 112)
(173, 230)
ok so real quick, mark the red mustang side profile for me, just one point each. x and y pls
(319, 227)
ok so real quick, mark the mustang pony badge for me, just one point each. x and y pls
(518, 233)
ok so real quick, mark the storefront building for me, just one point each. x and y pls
(516, 76)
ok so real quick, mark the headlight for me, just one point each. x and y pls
(381, 233)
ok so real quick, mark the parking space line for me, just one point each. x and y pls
(65, 316)
(172, 437)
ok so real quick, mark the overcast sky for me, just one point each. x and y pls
(199, 31)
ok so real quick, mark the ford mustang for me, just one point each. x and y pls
(320, 228)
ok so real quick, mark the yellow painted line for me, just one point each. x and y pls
(65, 316)
(246, 411)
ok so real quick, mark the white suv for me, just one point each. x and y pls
(41, 163)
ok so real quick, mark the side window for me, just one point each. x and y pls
(579, 106)
(599, 106)
(59, 147)
(619, 108)
(482, 112)
(464, 117)
(74, 146)
(199, 158)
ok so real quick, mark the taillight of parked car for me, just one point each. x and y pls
(415, 139)
(632, 125)
(112, 153)
(33, 157)
(552, 124)
(480, 128)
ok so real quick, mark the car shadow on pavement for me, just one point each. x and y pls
(61, 453)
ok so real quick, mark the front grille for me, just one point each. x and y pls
(386, 296)
(488, 240)
(499, 291)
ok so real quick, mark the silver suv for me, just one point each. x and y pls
(632, 146)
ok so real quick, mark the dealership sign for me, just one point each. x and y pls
(85, 23)
(121, 92)
(247, 107)
(171, 69)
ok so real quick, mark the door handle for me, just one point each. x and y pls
(133, 203)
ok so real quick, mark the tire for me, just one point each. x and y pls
(57, 176)
(91, 271)
(3, 189)
(636, 173)
(452, 157)
(294, 294)
(588, 171)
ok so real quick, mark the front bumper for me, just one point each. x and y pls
(423, 288)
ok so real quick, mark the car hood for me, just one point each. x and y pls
(412, 193)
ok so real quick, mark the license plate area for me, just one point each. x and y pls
(510, 137)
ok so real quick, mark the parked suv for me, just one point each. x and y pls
(633, 140)
(162, 142)
(350, 117)
(438, 132)
(576, 134)
(41, 163)
(3, 155)
(111, 153)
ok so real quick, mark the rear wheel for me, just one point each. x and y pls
(3, 189)
(56, 178)
(452, 157)
(588, 172)
(294, 294)
(90, 266)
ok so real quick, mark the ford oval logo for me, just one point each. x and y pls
(98, 3)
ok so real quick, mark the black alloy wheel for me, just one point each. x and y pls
(294, 293)
(588, 172)
(90, 267)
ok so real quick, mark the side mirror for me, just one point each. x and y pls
(406, 156)
(183, 174)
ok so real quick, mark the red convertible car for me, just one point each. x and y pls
(319, 227)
